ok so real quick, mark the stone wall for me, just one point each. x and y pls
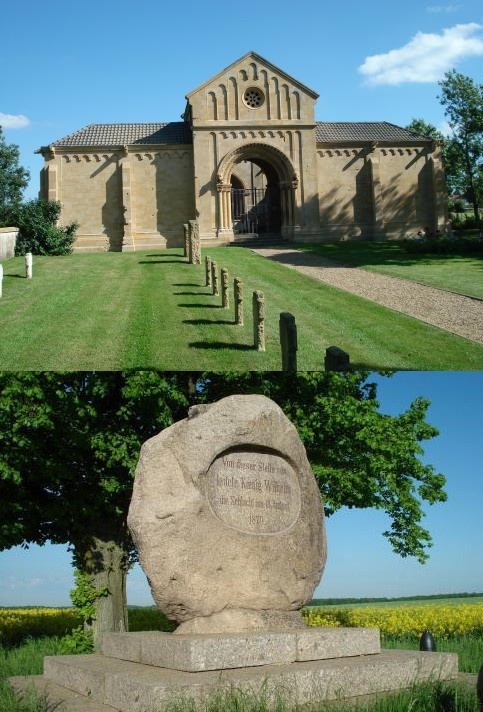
(8, 238)
(388, 192)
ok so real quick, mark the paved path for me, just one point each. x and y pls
(453, 312)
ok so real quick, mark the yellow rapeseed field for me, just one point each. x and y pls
(18, 623)
(443, 620)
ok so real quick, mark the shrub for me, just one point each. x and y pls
(444, 246)
(39, 232)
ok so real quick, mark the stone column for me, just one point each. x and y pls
(195, 242)
(439, 190)
(377, 202)
(259, 320)
(225, 298)
(1, 279)
(288, 341)
(127, 238)
(186, 246)
(214, 279)
(28, 265)
(238, 296)
(52, 182)
(208, 271)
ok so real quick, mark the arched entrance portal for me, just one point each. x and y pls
(256, 187)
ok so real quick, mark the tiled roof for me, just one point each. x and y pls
(333, 131)
(128, 134)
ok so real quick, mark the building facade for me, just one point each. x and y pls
(248, 159)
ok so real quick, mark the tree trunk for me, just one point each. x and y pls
(106, 564)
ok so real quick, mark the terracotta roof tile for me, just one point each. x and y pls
(174, 132)
(333, 131)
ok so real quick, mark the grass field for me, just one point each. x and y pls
(25, 658)
(152, 310)
(457, 273)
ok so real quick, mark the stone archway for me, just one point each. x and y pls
(274, 207)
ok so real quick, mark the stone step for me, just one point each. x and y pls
(194, 653)
(135, 687)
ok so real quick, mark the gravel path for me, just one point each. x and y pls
(453, 312)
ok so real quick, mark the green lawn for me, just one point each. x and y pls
(457, 273)
(151, 310)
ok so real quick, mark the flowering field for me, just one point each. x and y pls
(443, 620)
(18, 623)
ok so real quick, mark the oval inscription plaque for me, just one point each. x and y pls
(254, 492)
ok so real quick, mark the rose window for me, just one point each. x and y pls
(253, 97)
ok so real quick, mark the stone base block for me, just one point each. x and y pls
(194, 653)
(135, 687)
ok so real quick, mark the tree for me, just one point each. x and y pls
(39, 232)
(463, 102)
(69, 444)
(13, 178)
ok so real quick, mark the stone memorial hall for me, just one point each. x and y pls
(248, 159)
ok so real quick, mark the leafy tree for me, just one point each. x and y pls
(38, 229)
(69, 444)
(463, 102)
(13, 178)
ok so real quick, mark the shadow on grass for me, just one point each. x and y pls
(188, 284)
(15, 276)
(221, 345)
(208, 321)
(182, 258)
(159, 262)
(201, 306)
(194, 294)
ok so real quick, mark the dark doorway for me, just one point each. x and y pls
(255, 199)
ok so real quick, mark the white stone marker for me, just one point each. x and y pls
(1, 279)
(28, 265)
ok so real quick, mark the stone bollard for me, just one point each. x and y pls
(1, 279)
(225, 297)
(336, 359)
(28, 265)
(238, 296)
(259, 320)
(288, 341)
(195, 242)
(208, 271)
(215, 290)
(186, 248)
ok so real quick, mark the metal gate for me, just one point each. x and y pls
(249, 210)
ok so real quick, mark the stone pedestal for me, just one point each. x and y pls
(144, 672)
(8, 239)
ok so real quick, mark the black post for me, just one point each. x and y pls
(427, 642)
(336, 359)
(288, 341)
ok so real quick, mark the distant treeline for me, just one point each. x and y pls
(432, 597)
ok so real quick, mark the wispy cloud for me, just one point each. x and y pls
(443, 8)
(12, 121)
(425, 58)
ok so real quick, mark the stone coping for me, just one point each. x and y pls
(134, 687)
(194, 653)
(9, 229)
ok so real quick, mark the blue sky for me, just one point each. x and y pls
(360, 561)
(65, 64)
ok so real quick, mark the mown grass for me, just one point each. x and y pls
(152, 310)
(457, 273)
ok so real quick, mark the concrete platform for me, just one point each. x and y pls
(135, 687)
(195, 653)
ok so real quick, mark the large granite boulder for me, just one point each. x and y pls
(228, 518)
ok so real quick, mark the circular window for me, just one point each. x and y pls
(253, 97)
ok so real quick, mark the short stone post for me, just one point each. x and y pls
(259, 320)
(225, 298)
(238, 296)
(288, 341)
(195, 242)
(186, 229)
(336, 359)
(215, 290)
(208, 271)
(28, 265)
(1, 279)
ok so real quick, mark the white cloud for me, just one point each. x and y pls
(425, 58)
(443, 8)
(12, 121)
